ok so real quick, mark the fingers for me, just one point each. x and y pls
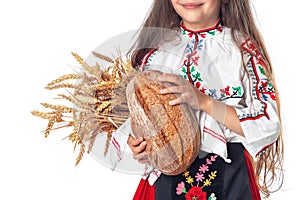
(134, 141)
(186, 94)
(171, 78)
(187, 91)
(177, 101)
(139, 153)
(181, 85)
(142, 157)
(172, 89)
(138, 147)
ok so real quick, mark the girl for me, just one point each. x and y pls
(225, 75)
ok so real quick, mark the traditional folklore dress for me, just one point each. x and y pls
(210, 60)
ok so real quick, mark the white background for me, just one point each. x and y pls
(36, 38)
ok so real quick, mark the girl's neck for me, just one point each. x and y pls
(199, 26)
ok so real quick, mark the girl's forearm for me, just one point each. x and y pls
(224, 114)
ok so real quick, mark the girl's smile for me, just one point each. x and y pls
(191, 5)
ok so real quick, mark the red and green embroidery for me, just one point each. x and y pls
(262, 88)
(220, 94)
(190, 67)
(265, 88)
(192, 188)
(203, 33)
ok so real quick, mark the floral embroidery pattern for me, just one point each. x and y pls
(180, 188)
(190, 63)
(190, 47)
(196, 191)
(190, 67)
(212, 197)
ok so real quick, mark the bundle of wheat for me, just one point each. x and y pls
(99, 102)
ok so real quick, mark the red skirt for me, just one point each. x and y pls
(144, 191)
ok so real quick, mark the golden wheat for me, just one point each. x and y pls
(103, 57)
(52, 120)
(80, 155)
(63, 78)
(43, 115)
(59, 108)
(99, 99)
(62, 85)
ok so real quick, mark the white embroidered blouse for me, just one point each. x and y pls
(217, 67)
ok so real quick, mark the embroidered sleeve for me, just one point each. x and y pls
(257, 111)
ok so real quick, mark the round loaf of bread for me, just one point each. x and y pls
(171, 132)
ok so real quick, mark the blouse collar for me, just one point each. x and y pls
(216, 28)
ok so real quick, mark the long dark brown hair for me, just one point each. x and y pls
(238, 16)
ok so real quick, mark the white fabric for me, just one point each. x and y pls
(119, 143)
(223, 77)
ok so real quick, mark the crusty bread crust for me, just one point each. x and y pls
(171, 132)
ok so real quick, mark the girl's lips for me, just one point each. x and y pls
(191, 5)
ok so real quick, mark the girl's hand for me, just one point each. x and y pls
(188, 93)
(138, 147)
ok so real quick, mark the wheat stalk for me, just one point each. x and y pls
(43, 115)
(81, 153)
(62, 85)
(60, 108)
(63, 96)
(63, 78)
(92, 71)
(103, 106)
(103, 57)
(52, 120)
